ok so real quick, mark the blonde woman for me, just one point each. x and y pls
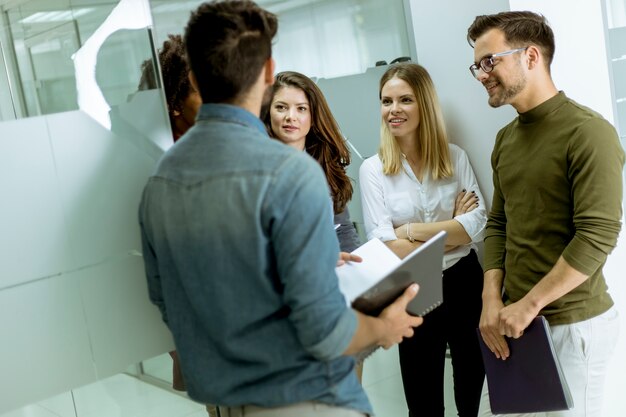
(417, 185)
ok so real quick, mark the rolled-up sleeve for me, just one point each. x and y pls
(336, 340)
(595, 171)
(376, 217)
(307, 250)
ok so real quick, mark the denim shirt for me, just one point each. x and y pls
(240, 252)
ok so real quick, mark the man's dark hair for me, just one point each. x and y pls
(520, 30)
(227, 43)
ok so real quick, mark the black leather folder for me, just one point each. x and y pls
(530, 380)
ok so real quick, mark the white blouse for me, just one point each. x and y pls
(390, 201)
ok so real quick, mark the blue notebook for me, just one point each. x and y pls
(530, 380)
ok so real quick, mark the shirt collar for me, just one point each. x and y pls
(228, 112)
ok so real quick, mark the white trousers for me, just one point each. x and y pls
(584, 350)
(304, 409)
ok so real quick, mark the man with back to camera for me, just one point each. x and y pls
(556, 212)
(239, 246)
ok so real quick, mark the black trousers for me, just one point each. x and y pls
(453, 324)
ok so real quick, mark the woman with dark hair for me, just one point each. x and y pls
(416, 186)
(299, 116)
(183, 101)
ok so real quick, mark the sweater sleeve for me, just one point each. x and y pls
(346, 232)
(596, 159)
(495, 230)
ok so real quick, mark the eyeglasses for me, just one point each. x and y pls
(487, 63)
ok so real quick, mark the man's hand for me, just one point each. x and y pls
(516, 317)
(497, 321)
(398, 323)
(490, 328)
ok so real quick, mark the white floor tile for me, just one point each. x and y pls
(123, 395)
(199, 413)
(388, 407)
(449, 390)
(30, 411)
(381, 365)
(61, 405)
(382, 381)
(390, 388)
(159, 367)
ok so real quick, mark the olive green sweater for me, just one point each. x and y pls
(557, 173)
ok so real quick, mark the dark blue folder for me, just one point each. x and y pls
(530, 380)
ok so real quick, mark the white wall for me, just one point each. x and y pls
(580, 66)
(440, 38)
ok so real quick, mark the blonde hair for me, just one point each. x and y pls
(432, 144)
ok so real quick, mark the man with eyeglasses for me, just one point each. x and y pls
(556, 211)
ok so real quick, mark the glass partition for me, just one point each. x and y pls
(319, 38)
(44, 36)
(78, 141)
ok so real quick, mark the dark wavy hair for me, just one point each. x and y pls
(227, 43)
(324, 142)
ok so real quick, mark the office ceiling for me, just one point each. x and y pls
(52, 4)
(276, 5)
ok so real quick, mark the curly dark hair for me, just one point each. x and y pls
(174, 72)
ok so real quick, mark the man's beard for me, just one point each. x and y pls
(516, 85)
